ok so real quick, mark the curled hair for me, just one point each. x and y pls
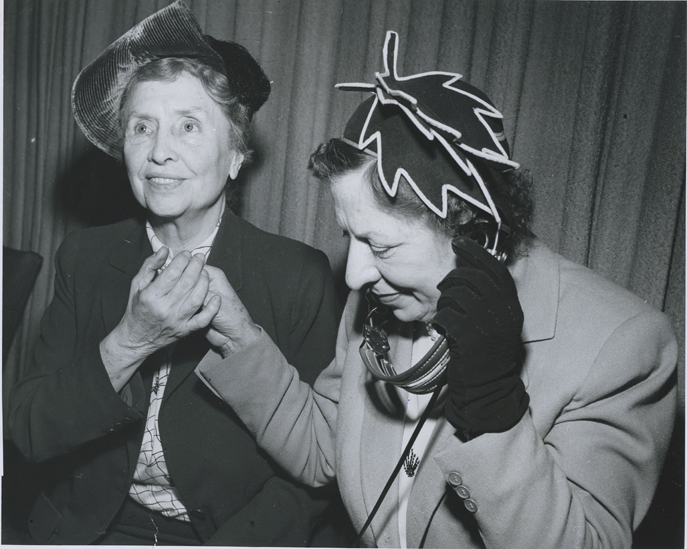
(336, 158)
(168, 69)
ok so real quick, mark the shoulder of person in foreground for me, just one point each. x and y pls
(279, 256)
(565, 301)
(590, 341)
(600, 372)
(89, 247)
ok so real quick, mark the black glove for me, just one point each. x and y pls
(480, 314)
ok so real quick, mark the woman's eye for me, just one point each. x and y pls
(190, 127)
(141, 128)
(380, 252)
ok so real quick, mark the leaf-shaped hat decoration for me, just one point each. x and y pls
(427, 128)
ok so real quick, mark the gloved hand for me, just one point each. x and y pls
(480, 314)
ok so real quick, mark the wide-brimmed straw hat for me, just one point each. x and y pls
(171, 32)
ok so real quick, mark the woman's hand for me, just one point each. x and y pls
(480, 314)
(162, 309)
(232, 328)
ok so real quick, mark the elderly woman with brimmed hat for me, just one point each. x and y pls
(486, 392)
(143, 453)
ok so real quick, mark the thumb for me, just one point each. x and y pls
(150, 267)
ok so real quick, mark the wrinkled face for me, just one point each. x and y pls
(177, 149)
(401, 260)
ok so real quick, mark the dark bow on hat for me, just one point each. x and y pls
(170, 32)
(429, 128)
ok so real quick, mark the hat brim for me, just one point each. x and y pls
(171, 32)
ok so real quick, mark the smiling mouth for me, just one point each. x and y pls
(387, 299)
(163, 182)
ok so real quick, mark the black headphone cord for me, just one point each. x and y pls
(405, 453)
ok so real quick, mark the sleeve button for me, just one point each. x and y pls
(454, 479)
(470, 505)
(462, 491)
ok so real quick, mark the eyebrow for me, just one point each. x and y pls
(180, 112)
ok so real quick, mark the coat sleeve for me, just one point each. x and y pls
(66, 398)
(589, 481)
(292, 421)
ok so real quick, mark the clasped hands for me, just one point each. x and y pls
(185, 297)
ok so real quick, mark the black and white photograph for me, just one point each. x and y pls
(344, 273)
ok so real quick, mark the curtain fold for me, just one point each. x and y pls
(593, 96)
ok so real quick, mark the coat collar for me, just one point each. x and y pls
(126, 253)
(537, 279)
(226, 249)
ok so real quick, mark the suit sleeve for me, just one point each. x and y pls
(66, 399)
(589, 481)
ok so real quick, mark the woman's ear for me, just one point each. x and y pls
(236, 163)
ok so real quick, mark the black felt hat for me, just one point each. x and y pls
(430, 129)
(171, 32)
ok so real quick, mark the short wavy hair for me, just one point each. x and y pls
(336, 158)
(216, 85)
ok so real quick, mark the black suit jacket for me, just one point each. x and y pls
(66, 412)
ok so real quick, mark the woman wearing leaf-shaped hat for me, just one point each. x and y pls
(486, 392)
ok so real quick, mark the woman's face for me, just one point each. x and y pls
(177, 149)
(401, 260)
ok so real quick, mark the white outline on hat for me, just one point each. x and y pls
(500, 157)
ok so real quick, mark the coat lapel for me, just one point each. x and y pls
(126, 259)
(537, 279)
(382, 438)
(225, 255)
(429, 486)
(226, 250)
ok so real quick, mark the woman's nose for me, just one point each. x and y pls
(163, 148)
(360, 266)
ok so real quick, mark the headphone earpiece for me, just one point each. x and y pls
(491, 235)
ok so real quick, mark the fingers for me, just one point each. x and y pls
(217, 276)
(476, 281)
(470, 254)
(198, 293)
(148, 270)
(164, 303)
(206, 314)
(220, 285)
(180, 275)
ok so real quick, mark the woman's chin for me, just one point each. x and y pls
(410, 314)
